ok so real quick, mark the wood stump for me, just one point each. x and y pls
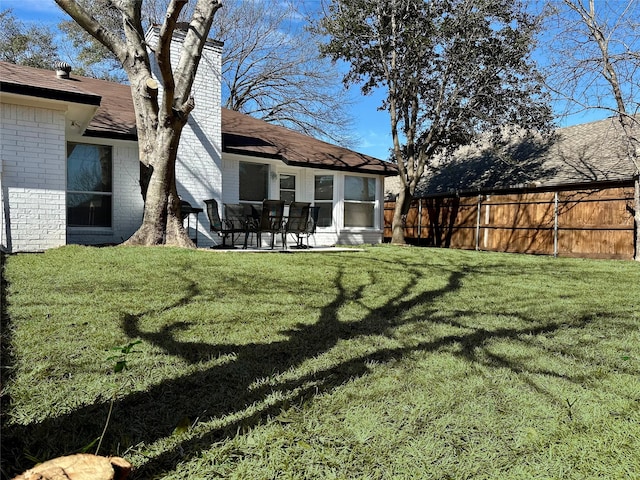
(82, 466)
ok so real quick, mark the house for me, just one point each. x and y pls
(571, 195)
(69, 169)
(588, 154)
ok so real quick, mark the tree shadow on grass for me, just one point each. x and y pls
(243, 392)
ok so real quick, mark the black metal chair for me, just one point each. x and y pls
(270, 222)
(296, 222)
(310, 227)
(233, 224)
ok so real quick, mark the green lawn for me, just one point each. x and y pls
(388, 363)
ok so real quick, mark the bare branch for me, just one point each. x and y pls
(271, 69)
(163, 51)
(84, 18)
(194, 42)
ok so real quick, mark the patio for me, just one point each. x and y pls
(321, 249)
(247, 222)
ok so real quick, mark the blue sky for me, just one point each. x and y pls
(371, 126)
(39, 10)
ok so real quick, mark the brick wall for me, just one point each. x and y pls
(32, 159)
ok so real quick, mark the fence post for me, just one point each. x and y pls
(419, 219)
(555, 225)
(478, 223)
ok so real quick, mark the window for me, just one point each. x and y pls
(288, 188)
(254, 182)
(359, 201)
(89, 185)
(323, 199)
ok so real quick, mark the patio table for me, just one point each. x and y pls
(187, 210)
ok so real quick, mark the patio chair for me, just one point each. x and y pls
(270, 222)
(296, 221)
(310, 227)
(233, 224)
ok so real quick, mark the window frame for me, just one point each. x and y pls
(294, 189)
(109, 194)
(364, 202)
(332, 202)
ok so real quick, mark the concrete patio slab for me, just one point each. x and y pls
(333, 249)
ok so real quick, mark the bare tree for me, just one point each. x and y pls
(272, 69)
(595, 63)
(159, 118)
(271, 66)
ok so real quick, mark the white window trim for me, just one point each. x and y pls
(376, 203)
(335, 200)
(297, 181)
(92, 229)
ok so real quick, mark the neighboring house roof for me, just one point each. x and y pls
(589, 153)
(242, 134)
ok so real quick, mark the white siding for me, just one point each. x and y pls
(231, 175)
(337, 234)
(32, 158)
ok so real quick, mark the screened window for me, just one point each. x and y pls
(254, 182)
(89, 185)
(323, 199)
(359, 201)
(288, 188)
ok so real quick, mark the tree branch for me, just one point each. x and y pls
(192, 48)
(163, 52)
(83, 18)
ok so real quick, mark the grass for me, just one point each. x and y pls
(391, 363)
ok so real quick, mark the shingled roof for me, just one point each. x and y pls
(246, 135)
(115, 116)
(589, 153)
(241, 133)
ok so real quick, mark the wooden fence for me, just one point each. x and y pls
(577, 223)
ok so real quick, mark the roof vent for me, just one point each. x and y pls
(62, 69)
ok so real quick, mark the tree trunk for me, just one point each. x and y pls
(162, 220)
(159, 126)
(397, 224)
